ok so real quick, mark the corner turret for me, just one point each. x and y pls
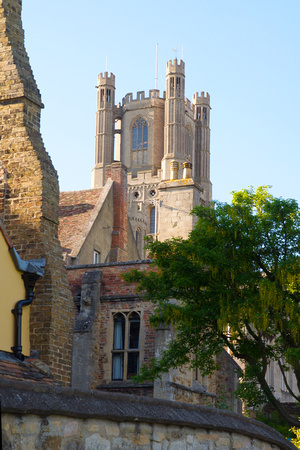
(202, 142)
(174, 132)
(105, 127)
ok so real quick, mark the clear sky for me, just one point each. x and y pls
(245, 53)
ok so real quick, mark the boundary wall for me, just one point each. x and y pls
(41, 417)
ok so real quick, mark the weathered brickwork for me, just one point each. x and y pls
(119, 244)
(31, 199)
(2, 190)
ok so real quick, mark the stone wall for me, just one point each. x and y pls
(45, 418)
(177, 199)
(30, 210)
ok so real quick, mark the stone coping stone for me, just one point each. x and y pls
(32, 398)
(111, 264)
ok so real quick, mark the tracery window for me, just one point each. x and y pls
(140, 135)
(125, 357)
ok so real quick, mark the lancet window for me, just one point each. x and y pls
(125, 354)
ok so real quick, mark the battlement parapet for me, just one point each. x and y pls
(105, 78)
(175, 67)
(189, 104)
(140, 96)
(203, 98)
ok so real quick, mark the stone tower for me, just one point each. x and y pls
(105, 124)
(30, 207)
(155, 134)
(174, 129)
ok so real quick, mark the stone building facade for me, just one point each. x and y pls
(165, 144)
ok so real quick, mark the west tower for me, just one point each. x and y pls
(157, 133)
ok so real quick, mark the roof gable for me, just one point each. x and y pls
(78, 211)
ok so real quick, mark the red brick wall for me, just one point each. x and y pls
(119, 245)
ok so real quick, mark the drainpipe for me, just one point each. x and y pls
(29, 281)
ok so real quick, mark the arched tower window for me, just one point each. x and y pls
(140, 135)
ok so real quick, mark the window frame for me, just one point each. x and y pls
(96, 257)
(122, 358)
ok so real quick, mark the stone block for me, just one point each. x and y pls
(71, 429)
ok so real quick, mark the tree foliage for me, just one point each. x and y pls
(234, 283)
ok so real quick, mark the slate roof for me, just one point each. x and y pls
(77, 210)
(33, 370)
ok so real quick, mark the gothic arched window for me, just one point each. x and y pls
(126, 345)
(140, 135)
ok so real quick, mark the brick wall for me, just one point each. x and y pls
(119, 245)
(31, 199)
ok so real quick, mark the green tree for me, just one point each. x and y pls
(234, 283)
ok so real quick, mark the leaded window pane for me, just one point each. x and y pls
(145, 144)
(133, 364)
(134, 331)
(134, 138)
(119, 332)
(140, 137)
(117, 366)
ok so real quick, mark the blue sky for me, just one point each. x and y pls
(245, 53)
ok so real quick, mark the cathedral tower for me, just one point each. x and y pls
(105, 125)
(174, 131)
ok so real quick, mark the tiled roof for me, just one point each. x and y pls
(13, 369)
(75, 210)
